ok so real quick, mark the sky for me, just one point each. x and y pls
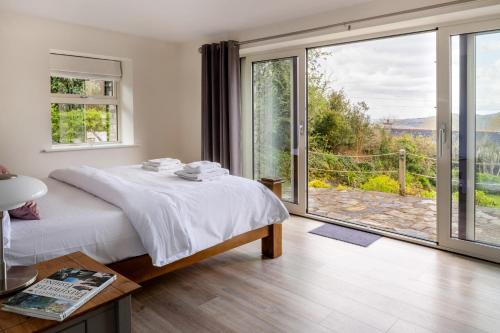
(487, 73)
(396, 76)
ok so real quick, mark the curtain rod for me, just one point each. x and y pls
(347, 24)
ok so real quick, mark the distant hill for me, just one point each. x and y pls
(489, 122)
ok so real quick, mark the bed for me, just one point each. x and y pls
(145, 224)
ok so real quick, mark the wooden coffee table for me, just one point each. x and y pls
(108, 311)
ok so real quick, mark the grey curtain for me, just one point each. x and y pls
(221, 105)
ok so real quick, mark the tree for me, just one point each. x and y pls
(360, 125)
(72, 123)
(272, 109)
(97, 120)
(335, 123)
(55, 119)
(60, 85)
(341, 126)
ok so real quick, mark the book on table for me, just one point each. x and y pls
(60, 294)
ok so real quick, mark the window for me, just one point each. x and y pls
(84, 100)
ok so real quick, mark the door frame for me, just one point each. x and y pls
(247, 131)
(444, 121)
(443, 117)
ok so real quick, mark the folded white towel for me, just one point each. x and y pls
(173, 167)
(204, 172)
(163, 161)
(206, 176)
(201, 166)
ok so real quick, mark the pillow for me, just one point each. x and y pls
(27, 212)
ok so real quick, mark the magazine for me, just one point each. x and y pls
(60, 294)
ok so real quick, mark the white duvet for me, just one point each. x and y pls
(175, 218)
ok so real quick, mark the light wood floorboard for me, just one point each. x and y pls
(323, 285)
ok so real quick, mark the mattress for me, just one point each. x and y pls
(73, 220)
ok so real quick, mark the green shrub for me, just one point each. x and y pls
(428, 194)
(284, 164)
(317, 183)
(485, 177)
(481, 199)
(381, 183)
(324, 165)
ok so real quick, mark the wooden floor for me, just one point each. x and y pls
(323, 285)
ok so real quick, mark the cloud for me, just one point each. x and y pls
(395, 76)
(487, 76)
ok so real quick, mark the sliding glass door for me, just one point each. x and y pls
(276, 101)
(372, 134)
(470, 95)
(357, 134)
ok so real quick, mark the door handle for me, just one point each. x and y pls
(301, 128)
(441, 139)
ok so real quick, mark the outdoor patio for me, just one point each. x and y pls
(407, 215)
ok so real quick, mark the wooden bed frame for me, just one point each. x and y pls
(140, 269)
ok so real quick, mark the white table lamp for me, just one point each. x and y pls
(14, 192)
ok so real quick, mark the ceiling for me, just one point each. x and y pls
(174, 20)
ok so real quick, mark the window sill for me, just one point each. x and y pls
(57, 149)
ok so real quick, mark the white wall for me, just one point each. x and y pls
(189, 112)
(190, 108)
(24, 93)
(189, 116)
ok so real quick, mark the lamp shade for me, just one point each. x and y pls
(14, 192)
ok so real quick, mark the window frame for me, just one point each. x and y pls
(298, 55)
(76, 99)
(293, 121)
(446, 238)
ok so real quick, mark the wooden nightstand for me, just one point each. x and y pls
(108, 311)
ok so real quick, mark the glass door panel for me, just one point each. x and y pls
(372, 134)
(469, 141)
(275, 135)
(476, 137)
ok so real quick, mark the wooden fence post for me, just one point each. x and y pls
(402, 172)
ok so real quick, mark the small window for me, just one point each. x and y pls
(84, 103)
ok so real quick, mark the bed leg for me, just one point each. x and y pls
(272, 246)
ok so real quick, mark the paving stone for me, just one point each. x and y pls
(407, 215)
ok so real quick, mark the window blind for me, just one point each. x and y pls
(83, 67)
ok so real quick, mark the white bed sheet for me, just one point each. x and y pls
(175, 217)
(73, 220)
